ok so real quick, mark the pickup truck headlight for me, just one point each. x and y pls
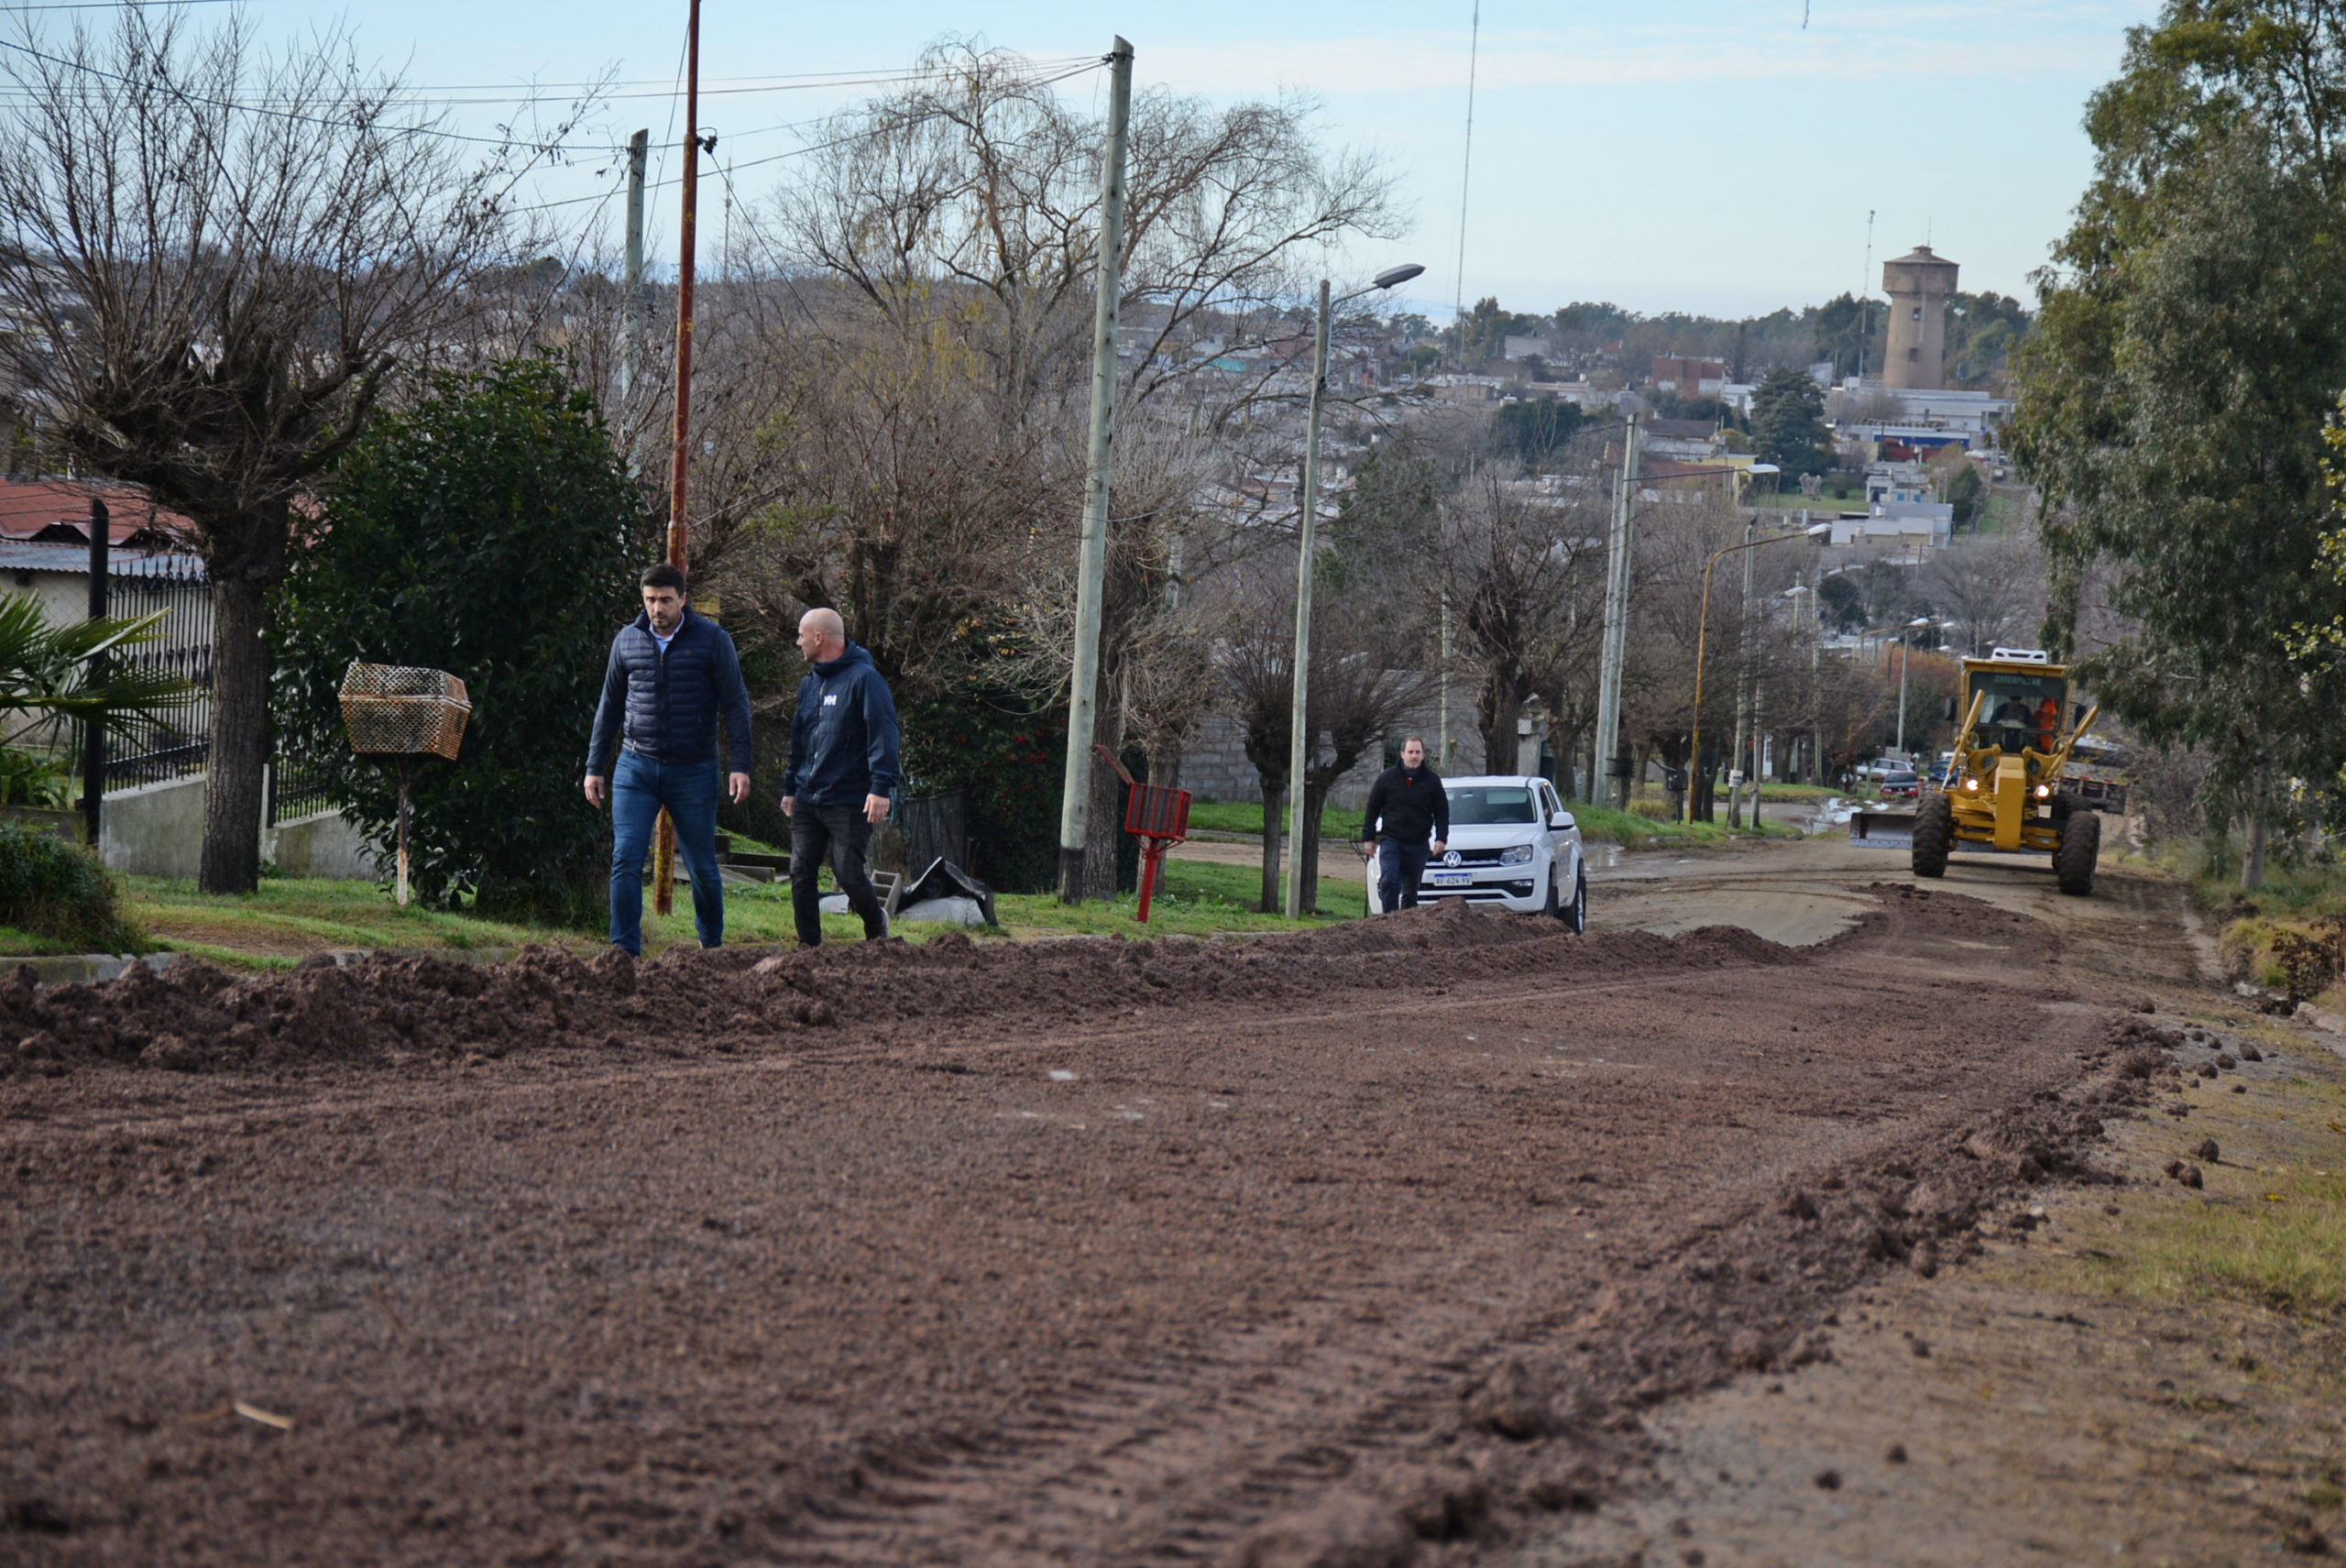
(1519, 855)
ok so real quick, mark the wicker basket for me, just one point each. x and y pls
(397, 710)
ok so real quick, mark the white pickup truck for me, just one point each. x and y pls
(1511, 843)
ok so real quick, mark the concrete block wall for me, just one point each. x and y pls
(1214, 766)
(158, 830)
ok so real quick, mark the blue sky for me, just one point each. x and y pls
(1704, 157)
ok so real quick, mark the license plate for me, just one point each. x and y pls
(1454, 879)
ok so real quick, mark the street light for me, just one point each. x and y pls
(1298, 730)
(1906, 657)
(1702, 621)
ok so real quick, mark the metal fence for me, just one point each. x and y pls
(296, 790)
(154, 751)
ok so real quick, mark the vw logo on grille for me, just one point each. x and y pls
(1450, 857)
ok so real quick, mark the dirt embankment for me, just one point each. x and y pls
(393, 1009)
(1375, 1240)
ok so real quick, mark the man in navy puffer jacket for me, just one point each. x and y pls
(672, 675)
(843, 767)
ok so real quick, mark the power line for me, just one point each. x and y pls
(289, 114)
(794, 152)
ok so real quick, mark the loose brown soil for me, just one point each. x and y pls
(1338, 1248)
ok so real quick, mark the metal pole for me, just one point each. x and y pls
(93, 728)
(664, 859)
(1905, 658)
(632, 303)
(1083, 688)
(1742, 682)
(1299, 723)
(1615, 652)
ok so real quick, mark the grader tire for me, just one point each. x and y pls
(2073, 862)
(1933, 835)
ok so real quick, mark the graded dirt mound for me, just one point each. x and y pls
(391, 1008)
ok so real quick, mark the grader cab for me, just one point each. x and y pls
(2006, 790)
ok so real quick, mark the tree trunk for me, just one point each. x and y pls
(1307, 844)
(1273, 796)
(1104, 835)
(233, 771)
(1500, 709)
(2252, 865)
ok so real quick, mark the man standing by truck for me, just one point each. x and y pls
(843, 767)
(1406, 806)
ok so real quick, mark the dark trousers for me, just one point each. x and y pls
(838, 834)
(1400, 868)
(640, 787)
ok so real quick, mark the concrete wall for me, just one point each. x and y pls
(1215, 765)
(154, 830)
(158, 830)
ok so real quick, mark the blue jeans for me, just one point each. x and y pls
(1400, 868)
(640, 787)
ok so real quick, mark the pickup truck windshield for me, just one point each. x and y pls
(1490, 807)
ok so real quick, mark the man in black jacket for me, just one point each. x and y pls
(670, 676)
(843, 767)
(1407, 804)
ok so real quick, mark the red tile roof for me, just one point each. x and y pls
(28, 507)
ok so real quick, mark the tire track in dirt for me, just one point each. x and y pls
(825, 1294)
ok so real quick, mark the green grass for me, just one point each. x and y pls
(1633, 831)
(1769, 791)
(1196, 898)
(1246, 817)
(289, 918)
(2275, 1237)
(1792, 501)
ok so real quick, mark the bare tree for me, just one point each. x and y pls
(215, 259)
(1357, 698)
(1993, 589)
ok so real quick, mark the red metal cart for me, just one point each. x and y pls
(1157, 816)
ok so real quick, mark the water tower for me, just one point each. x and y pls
(1918, 284)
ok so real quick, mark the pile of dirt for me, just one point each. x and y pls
(399, 1008)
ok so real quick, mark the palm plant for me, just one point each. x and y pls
(50, 671)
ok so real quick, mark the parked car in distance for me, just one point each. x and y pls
(1905, 786)
(1513, 844)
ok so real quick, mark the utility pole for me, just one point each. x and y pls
(1299, 728)
(1084, 691)
(632, 303)
(1444, 686)
(1742, 685)
(1617, 619)
(664, 859)
(93, 729)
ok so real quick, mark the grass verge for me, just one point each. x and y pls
(1631, 831)
(287, 919)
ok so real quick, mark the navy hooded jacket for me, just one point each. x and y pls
(843, 735)
(668, 704)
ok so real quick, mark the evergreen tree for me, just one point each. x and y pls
(2173, 394)
(1787, 422)
(492, 531)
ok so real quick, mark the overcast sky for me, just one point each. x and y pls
(1693, 155)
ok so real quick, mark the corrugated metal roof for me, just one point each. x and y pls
(18, 556)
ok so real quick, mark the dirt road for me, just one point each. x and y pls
(1335, 1248)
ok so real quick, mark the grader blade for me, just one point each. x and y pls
(1882, 829)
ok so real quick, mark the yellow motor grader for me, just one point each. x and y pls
(2006, 790)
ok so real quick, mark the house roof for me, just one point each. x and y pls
(59, 511)
(17, 556)
(1682, 429)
